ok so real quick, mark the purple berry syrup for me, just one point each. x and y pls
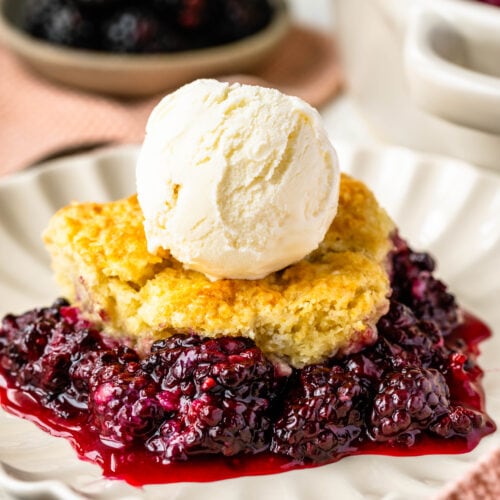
(200, 409)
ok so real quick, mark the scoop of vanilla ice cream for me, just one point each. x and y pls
(236, 181)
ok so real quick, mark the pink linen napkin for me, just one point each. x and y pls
(481, 483)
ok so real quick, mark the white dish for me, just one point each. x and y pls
(441, 205)
(433, 82)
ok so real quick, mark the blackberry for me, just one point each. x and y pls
(414, 285)
(195, 15)
(61, 22)
(411, 342)
(213, 424)
(323, 415)
(459, 421)
(124, 407)
(241, 18)
(132, 29)
(403, 342)
(232, 366)
(43, 348)
(367, 364)
(217, 21)
(25, 337)
(191, 16)
(407, 402)
(188, 24)
(37, 13)
(217, 392)
(93, 367)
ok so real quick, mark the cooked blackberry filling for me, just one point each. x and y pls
(217, 394)
(191, 395)
(323, 415)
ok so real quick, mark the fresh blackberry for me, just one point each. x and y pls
(37, 13)
(195, 15)
(218, 393)
(241, 18)
(61, 22)
(217, 21)
(323, 415)
(188, 23)
(133, 29)
(407, 402)
(190, 15)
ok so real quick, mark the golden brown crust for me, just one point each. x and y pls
(319, 306)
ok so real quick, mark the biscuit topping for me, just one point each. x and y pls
(325, 304)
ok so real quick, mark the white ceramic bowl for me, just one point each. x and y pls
(137, 74)
(426, 73)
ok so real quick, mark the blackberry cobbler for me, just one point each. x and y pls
(357, 348)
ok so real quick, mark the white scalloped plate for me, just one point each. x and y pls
(441, 205)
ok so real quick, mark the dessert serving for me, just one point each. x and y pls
(250, 311)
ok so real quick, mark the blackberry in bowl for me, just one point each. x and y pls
(141, 48)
